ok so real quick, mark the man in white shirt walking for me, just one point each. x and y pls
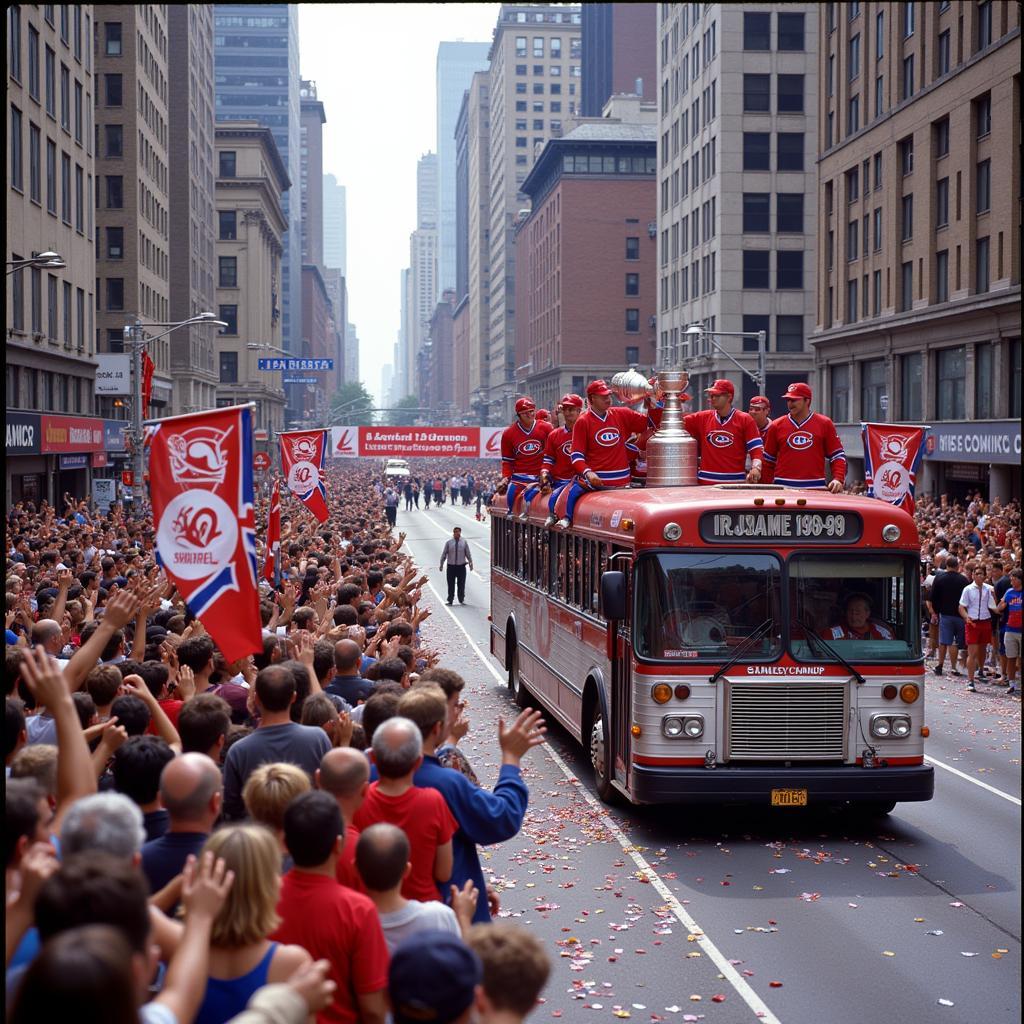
(456, 554)
(977, 603)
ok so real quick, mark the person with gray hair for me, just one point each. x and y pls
(104, 822)
(192, 792)
(421, 814)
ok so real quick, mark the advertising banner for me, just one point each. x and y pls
(113, 373)
(416, 442)
(892, 456)
(23, 433)
(70, 434)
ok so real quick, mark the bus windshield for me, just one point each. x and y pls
(866, 608)
(704, 605)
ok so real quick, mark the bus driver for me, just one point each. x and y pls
(857, 622)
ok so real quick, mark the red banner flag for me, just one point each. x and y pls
(201, 487)
(302, 463)
(272, 562)
(148, 366)
(892, 455)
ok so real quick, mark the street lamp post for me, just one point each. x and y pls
(134, 337)
(42, 260)
(696, 331)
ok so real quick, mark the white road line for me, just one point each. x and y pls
(728, 972)
(969, 778)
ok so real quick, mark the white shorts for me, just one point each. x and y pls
(1011, 644)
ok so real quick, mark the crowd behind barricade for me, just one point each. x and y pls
(291, 834)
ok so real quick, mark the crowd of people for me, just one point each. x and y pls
(291, 834)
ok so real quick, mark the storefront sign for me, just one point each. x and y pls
(113, 373)
(73, 462)
(99, 460)
(23, 432)
(411, 442)
(71, 434)
(296, 364)
(997, 442)
(115, 435)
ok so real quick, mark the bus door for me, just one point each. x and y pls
(620, 696)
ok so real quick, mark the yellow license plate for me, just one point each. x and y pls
(789, 798)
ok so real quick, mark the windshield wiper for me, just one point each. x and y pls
(821, 644)
(743, 648)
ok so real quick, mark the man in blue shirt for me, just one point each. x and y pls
(484, 816)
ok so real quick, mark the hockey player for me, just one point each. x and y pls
(556, 468)
(522, 449)
(798, 445)
(725, 437)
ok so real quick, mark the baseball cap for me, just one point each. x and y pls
(598, 387)
(523, 404)
(543, 414)
(572, 400)
(721, 387)
(798, 390)
(432, 978)
(760, 400)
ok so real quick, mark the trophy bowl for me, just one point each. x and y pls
(630, 386)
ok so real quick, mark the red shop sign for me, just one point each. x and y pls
(127, 477)
(261, 461)
(99, 460)
(71, 434)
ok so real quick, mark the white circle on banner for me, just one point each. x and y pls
(303, 477)
(197, 535)
(892, 481)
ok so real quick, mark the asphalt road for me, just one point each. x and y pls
(731, 914)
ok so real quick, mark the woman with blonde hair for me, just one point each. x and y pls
(242, 958)
(267, 794)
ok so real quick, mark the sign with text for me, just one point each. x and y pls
(113, 373)
(780, 528)
(416, 442)
(296, 365)
(261, 461)
(104, 493)
(23, 433)
(994, 442)
(70, 434)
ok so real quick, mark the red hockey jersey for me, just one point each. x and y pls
(724, 444)
(558, 453)
(599, 442)
(523, 450)
(797, 452)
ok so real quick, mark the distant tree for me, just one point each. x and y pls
(351, 405)
(406, 413)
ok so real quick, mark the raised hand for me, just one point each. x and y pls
(42, 675)
(526, 732)
(311, 984)
(121, 608)
(205, 886)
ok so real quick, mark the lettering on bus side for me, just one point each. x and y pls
(762, 525)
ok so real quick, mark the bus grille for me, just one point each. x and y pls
(786, 721)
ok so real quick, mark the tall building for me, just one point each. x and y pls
(534, 84)
(737, 220)
(403, 377)
(335, 220)
(337, 293)
(456, 63)
(193, 225)
(426, 191)
(50, 371)
(351, 351)
(918, 299)
(251, 182)
(619, 50)
(387, 377)
(133, 214)
(256, 57)
(423, 261)
(311, 172)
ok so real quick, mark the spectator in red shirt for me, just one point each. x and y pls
(344, 774)
(329, 920)
(421, 814)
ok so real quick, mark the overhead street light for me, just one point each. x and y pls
(696, 331)
(42, 260)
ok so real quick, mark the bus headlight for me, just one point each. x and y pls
(672, 531)
(881, 727)
(900, 727)
(690, 727)
(672, 727)
(891, 533)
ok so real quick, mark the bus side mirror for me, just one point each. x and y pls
(613, 595)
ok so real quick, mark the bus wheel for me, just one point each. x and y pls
(515, 683)
(600, 755)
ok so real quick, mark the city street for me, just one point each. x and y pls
(734, 914)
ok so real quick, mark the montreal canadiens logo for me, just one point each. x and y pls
(607, 438)
(800, 440)
(303, 448)
(567, 448)
(530, 447)
(197, 535)
(719, 439)
(892, 482)
(303, 477)
(198, 455)
(893, 447)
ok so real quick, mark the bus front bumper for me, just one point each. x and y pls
(755, 784)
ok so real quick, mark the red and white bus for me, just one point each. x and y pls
(731, 643)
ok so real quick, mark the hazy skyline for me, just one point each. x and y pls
(375, 70)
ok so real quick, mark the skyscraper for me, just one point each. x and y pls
(311, 172)
(456, 63)
(619, 47)
(426, 191)
(248, 36)
(335, 230)
(422, 262)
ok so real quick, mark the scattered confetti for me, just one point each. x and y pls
(967, 954)
(775, 984)
(718, 998)
(888, 952)
(946, 1002)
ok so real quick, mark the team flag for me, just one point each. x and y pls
(148, 368)
(272, 562)
(892, 455)
(302, 463)
(201, 487)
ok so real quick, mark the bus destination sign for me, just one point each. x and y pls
(767, 526)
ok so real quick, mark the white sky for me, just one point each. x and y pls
(375, 70)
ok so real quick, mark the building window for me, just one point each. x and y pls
(229, 314)
(790, 155)
(65, 188)
(907, 218)
(753, 324)
(853, 57)
(755, 268)
(51, 176)
(851, 302)
(942, 276)
(112, 36)
(984, 24)
(905, 148)
(226, 160)
(906, 286)
(115, 192)
(1014, 347)
(35, 172)
(983, 115)
(229, 367)
(790, 31)
(632, 321)
(33, 63)
(941, 129)
(113, 90)
(80, 199)
(50, 81)
(908, 20)
(872, 390)
(789, 270)
(789, 334)
(877, 225)
(879, 35)
(51, 307)
(789, 212)
(67, 314)
(633, 247)
(853, 115)
(632, 355)
(632, 284)
(757, 31)
(756, 213)
(911, 383)
(877, 161)
(981, 277)
(789, 94)
(950, 374)
(876, 293)
(115, 140)
(879, 96)
(520, 46)
(983, 194)
(908, 77)
(942, 54)
(228, 272)
(852, 247)
(115, 293)
(17, 280)
(17, 180)
(757, 93)
(228, 224)
(983, 381)
(839, 393)
(36, 299)
(756, 155)
(115, 243)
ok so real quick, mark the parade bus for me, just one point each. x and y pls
(697, 642)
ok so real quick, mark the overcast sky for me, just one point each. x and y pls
(375, 70)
